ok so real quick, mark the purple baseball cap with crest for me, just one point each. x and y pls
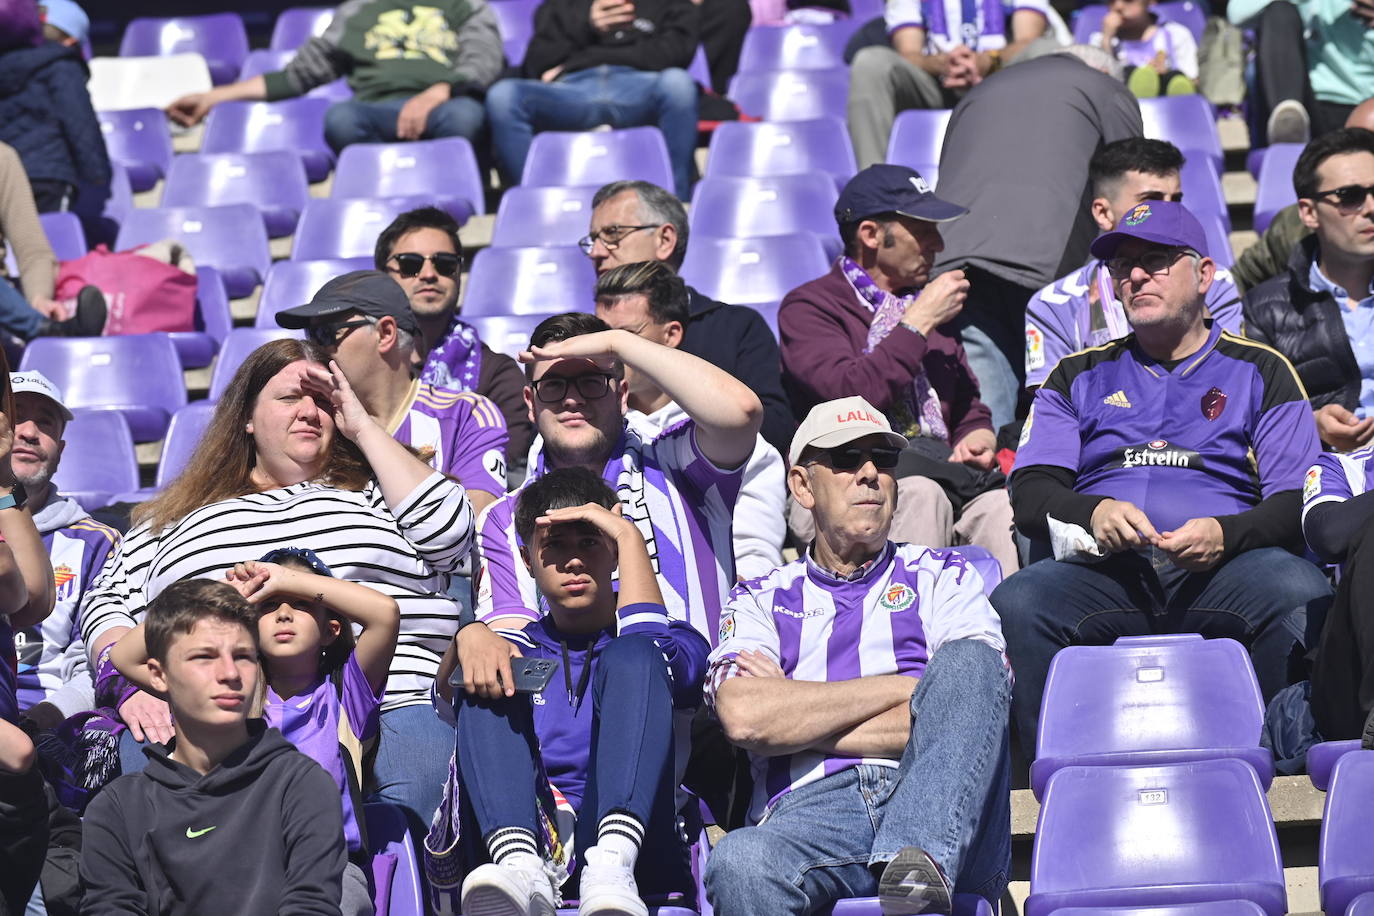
(1162, 222)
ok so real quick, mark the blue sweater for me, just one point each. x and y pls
(46, 115)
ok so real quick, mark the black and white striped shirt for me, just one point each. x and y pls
(407, 554)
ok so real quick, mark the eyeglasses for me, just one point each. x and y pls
(1155, 261)
(610, 236)
(409, 264)
(327, 335)
(851, 457)
(553, 388)
(1347, 199)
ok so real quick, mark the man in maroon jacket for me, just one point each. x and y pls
(871, 327)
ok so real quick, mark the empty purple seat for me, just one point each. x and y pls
(293, 283)
(529, 281)
(1218, 241)
(183, 435)
(443, 170)
(1362, 905)
(298, 24)
(983, 561)
(65, 235)
(271, 182)
(755, 207)
(138, 375)
(396, 872)
(99, 461)
(794, 47)
(334, 228)
(1346, 860)
(195, 348)
(542, 216)
(1136, 705)
(140, 140)
(791, 95)
(1186, 121)
(917, 138)
(1202, 191)
(220, 38)
(566, 158)
(1211, 908)
(509, 334)
(259, 62)
(230, 238)
(745, 271)
(1321, 759)
(296, 125)
(237, 346)
(1155, 836)
(964, 905)
(1275, 189)
(741, 148)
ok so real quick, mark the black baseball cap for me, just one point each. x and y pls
(370, 292)
(886, 188)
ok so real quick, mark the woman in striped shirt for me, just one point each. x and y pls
(291, 459)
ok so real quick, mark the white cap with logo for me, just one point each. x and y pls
(843, 420)
(38, 383)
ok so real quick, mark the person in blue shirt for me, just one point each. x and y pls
(600, 734)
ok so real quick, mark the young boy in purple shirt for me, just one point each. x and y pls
(601, 732)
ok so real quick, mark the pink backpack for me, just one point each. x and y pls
(146, 288)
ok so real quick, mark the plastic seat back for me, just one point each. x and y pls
(218, 37)
(140, 140)
(508, 334)
(552, 217)
(525, 281)
(295, 125)
(800, 46)
(1186, 121)
(741, 148)
(753, 270)
(791, 95)
(272, 182)
(298, 24)
(99, 461)
(756, 207)
(183, 435)
(293, 283)
(917, 138)
(1346, 859)
(343, 228)
(565, 158)
(387, 836)
(445, 170)
(1275, 183)
(230, 238)
(237, 346)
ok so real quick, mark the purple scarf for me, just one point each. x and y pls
(456, 362)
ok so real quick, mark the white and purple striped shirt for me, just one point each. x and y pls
(683, 505)
(889, 619)
(980, 25)
(466, 431)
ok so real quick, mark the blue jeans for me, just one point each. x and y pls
(375, 122)
(412, 764)
(948, 795)
(16, 315)
(618, 96)
(1259, 598)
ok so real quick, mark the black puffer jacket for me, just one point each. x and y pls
(1305, 325)
(46, 115)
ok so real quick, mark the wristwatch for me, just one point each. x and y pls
(15, 499)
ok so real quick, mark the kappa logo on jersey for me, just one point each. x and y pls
(1156, 454)
(898, 597)
(1137, 215)
(1213, 403)
(1117, 399)
(1035, 347)
(798, 615)
(1312, 483)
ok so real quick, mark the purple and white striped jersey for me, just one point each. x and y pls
(466, 431)
(889, 619)
(977, 24)
(1336, 477)
(683, 505)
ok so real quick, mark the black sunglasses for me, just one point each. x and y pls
(409, 264)
(327, 335)
(851, 457)
(553, 388)
(1347, 199)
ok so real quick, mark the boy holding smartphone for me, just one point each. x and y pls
(601, 731)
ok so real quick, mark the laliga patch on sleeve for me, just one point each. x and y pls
(1025, 430)
(1035, 348)
(727, 627)
(495, 463)
(1312, 483)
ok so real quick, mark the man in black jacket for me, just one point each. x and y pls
(635, 221)
(594, 62)
(1320, 312)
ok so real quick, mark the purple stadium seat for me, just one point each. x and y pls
(983, 561)
(292, 283)
(254, 127)
(1218, 242)
(509, 334)
(791, 95)
(1134, 705)
(769, 311)
(183, 435)
(1087, 21)
(542, 216)
(745, 271)
(138, 375)
(699, 68)
(1275, 189)
(794, 47)
(298, 24)
(1346, 859)
(220, 38)
(443, 170)
(259, 62)
(567, 158)
(229, 238)
(1155, 836)
(140, 140)
(1211, 908)
(1362, 905)
(1321, 760)
(964, 905)
(213, 321)
(65, 235)
(102, 210)
(1202, 190)
(273, 183)
(515, 19)
(754, 207)
(1186, 12)
(1186, 121)
(237, 346)
(332, 228)
(529, 281)
(395, 870)
(99, 461)
(741, 148)
(917, 137)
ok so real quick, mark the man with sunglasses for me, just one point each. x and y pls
(1320, 312)
(868, 682)
(1162, 471)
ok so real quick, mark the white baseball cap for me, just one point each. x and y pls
(38, 383)
(843, 420)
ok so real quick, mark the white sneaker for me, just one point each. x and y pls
(608, 886)
(519, 886)
(1289, 123)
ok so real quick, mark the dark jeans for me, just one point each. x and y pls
(629, 765)
(1259, 598)
(52, 196)
(992, 327)
(16, 315)
(723, 24)
(1281, 70)
(1343, 675)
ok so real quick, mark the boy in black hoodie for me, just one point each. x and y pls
(229, 817)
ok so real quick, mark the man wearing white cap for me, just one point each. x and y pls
(869, 683)
(54, 677)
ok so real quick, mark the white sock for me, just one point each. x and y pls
(510, 841)
(622, 834)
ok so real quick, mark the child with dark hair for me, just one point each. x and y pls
(601, 731)
(228, 817)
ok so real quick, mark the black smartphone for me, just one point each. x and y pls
(531, 675)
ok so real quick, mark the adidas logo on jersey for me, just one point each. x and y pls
(1117, 399)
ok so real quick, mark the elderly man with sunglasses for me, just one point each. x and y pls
(1320, 311)
(1163, 472)
(868, 683)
